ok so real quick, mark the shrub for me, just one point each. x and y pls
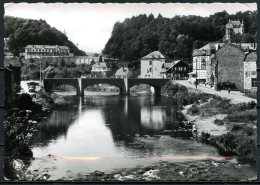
(193, 110)
(237, 127)
(226, 85)
(248, 130)
(219, 122)
(245, 116)
(247, 149)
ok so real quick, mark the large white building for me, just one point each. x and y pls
(152, 65)
(235, 27)
(38, 51)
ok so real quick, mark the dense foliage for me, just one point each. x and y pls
(22, 32)
(175, 37)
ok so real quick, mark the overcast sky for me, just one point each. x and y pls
(90, 25)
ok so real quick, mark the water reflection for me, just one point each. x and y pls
(116, 131)
(153, 117)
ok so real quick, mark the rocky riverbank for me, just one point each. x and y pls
(21, 122)
(216, 121)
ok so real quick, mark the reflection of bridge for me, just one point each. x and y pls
(123, 84)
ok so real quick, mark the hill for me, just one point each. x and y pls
(175, 37)
(23, 32)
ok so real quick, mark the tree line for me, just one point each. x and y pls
(22, 32)
(175, 37)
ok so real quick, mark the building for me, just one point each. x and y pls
(177, 69)
(84, 60)
(234, 27)
(12, 79)
(99, 69)
(201, 61)
(37, 51)
(250, 80)
(234, 64)
(122, 72)
(152, 65)
(7, 52)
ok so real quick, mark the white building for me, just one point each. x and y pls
(201, 60)
(235, 27)
(37, 51)
(152, 65)
(83, 60)
(99, 67)
(250, 77)
(122, 72)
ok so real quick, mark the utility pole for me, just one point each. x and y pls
(196, 74)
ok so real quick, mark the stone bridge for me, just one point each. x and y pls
(123, 84)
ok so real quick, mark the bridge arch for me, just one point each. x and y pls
(49, 83)
(95, 81)
(157, 84)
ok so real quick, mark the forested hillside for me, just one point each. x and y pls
(23, 32)
(175, 37)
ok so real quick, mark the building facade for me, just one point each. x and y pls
(152, 66)
(229, 64)
(122, 72)
(177, 69)
(99, 69)
(12, 79)
(250, 77)
(42, 51)
(202, 61)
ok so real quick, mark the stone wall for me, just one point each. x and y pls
(230, 65)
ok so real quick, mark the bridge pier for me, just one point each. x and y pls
(124, 91)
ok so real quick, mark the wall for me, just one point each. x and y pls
(249, 73)
(202, 73)
(230, 65)
(156, 68)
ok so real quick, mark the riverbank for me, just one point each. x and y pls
(20, 125)
(229, 126)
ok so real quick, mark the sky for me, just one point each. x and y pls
(90, 25)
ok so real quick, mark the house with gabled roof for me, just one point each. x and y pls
(152, 65)
(176, 69)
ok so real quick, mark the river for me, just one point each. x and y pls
(115, 134)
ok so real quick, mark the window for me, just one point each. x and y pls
(254, 82)
(151, 63)
(150, 69)
(203, 64)
(184, 68)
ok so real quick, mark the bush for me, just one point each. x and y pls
(251, 93)
(245, 116)
(237, 127)
(219, 122)
(226, 85)
(247, 149)
(193, 110)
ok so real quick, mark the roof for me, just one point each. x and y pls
(100, 64)
(206, 50)
(234, 23)
(208, 46)
(123, 71)
(12, 62)
(46, 46)
(250, 56)
(153, 55)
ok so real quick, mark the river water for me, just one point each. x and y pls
(115, 133)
